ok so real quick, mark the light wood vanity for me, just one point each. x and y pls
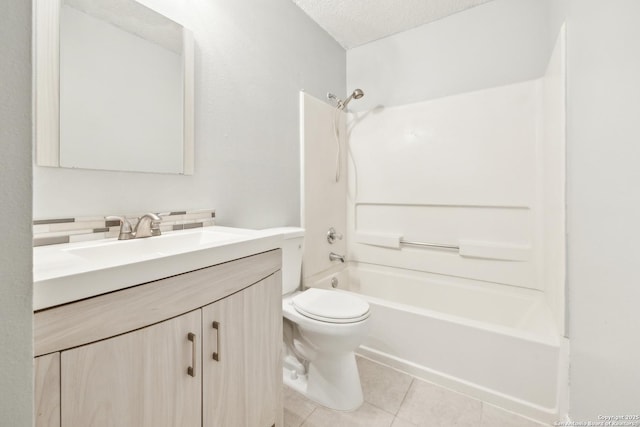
(196, 349)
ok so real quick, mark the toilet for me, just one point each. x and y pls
(322, 329)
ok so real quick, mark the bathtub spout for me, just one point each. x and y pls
(335, 257)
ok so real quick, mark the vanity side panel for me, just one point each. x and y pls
(91, 320)
(47, 390)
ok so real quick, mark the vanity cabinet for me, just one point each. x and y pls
(198, 349)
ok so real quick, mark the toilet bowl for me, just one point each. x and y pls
(322, 329)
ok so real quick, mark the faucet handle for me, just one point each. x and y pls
(126, 231)
(155, 227)
(332, 235)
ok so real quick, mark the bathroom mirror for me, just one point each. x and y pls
(113, 87)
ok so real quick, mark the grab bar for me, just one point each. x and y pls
(502, 251)
(429, 245)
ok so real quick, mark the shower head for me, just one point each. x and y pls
(357, 94)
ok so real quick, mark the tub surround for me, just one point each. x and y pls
(323, 199)
(486, 167)
(458, 169)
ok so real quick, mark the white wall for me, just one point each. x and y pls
(16, 355)
(497, 43)
(252, 58)
(603, 175)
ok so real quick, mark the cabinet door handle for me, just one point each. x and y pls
(191, 370)
(216, 354)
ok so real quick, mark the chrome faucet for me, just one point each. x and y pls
(335, 257)
(148, 225)
(126, 232)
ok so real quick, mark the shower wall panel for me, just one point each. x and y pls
(323, 200)
(450, 171)
(551, 182)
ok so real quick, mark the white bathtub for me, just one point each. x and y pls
(493, 342)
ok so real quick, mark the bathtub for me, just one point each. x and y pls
(492, 342)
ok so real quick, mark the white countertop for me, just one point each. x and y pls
(70, 272)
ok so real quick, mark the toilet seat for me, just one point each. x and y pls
(330, 306)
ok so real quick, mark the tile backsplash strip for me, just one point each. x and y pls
(69, 230)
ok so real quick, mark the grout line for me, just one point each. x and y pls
(393, 420)
(406, 393)
(380, 408)
(382, 365)
(308, 416)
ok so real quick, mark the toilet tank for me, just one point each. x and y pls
(293, 239)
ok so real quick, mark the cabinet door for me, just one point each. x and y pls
(223, 397)
(138, 379)
(243, 387)
(47, 390)
(263, 352)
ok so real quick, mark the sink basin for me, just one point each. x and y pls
(69, 272)
(152, 247)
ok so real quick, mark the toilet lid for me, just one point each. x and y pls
(331, 306)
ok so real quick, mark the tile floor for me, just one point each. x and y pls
(395, 399)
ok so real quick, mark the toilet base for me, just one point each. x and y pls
(332, 382)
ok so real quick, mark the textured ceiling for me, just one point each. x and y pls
(355, 22)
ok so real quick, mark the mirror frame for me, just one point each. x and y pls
(46, 97)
